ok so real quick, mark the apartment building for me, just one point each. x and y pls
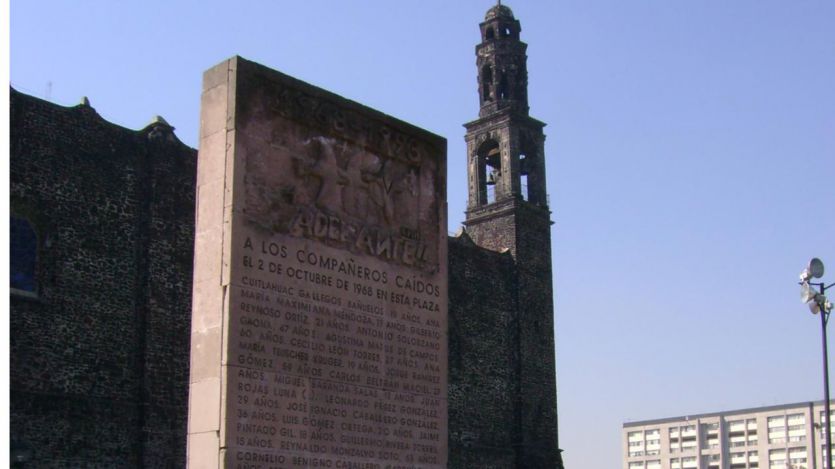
(787, 436)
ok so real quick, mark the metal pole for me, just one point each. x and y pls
(828, 433)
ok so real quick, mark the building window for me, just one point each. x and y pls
(753, 457)
(524, 170)
(636, 443)
(737, 460)
(487, 83)
(710, 438)
(504, 92)
(796, 419)
(796, 427)
(823, 424)
(776, 430)
(653, 442)
(777, 459)
(797, 458)
(489, 172)
(736, 441)
(23, 256)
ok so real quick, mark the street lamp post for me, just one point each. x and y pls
(819, 304)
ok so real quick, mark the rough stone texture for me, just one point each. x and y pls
(99, 357)
(482, 361)
(509, 324)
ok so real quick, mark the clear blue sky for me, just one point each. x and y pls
(691, 161)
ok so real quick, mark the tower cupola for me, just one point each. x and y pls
(502, 70)
(505, 144)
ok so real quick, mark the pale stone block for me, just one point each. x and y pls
(207, 256)
(229, 252)
(217, 75)
(205, 354)
(213, 113)
(231, 92)
(209, 205)
(207, 305)
(204, 406)
(234, 171)
(203, 450)
(211, 163)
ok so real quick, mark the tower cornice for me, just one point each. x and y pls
(503, 117)
(505, 207)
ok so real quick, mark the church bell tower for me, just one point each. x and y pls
(507, 210)
(505, 146)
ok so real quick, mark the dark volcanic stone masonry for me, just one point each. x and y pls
(99, 351)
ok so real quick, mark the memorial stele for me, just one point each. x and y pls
(319, 327)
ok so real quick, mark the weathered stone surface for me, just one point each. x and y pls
(324, 240)
(482, 365)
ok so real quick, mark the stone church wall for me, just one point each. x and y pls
(99, 352)
(483, 363)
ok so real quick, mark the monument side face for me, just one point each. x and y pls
(319, 331)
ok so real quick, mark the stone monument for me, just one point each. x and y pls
(319, 326)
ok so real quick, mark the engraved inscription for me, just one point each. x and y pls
(334, 357)
(325, 223)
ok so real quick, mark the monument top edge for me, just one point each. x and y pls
(243, 67)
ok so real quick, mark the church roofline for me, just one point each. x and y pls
(86, 109)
